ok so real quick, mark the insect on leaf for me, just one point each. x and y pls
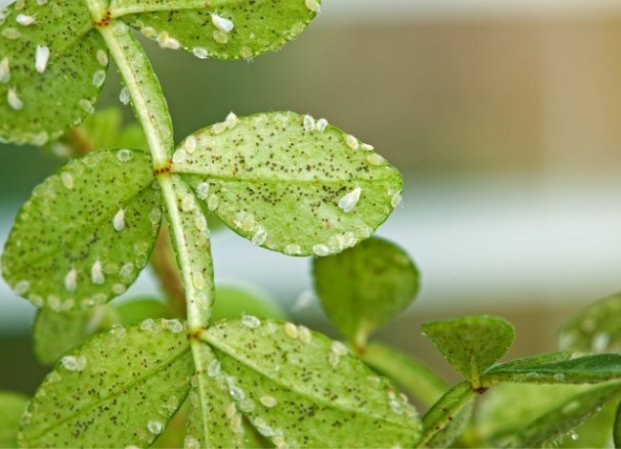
(119, 389)
(365, 286)
(12, 405)
(595, 329)
(291, 383)
(471, 344)
(53, 64)
(288, 184)
(86, 232)
(223, 29)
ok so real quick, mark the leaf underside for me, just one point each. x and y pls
(470, 344)
(69, 247)
(290, 387)
(118, 389)
(279, 185)
(66, 90)
(363, 287)
(259, 26)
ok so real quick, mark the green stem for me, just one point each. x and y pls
(445, 410)
(151, 111)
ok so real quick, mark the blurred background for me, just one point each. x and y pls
(503, 115)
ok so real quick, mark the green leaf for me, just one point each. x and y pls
(471, 344)
(560, 421)
(588, 369)
(533, 361)
(616, 431)
(118, 389)
(52, 66)
(280, 186)
(56, 333)
(235, 300)
(287, 380)
(444, 412)
(12, 406)
(86, 232)
(364, 287)
(406, 371)
(454, 428)
(595, 329)
(203, 28)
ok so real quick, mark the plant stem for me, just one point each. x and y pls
(152, 113)
(165, 267)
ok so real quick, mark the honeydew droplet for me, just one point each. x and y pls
(367, 147)
(119, 289)
(396, 199)
(352, 142)
(155, 215)
(67, 179)
(213, 369)
(304, 334)
(13, 99)
(187, 203)
(260, 236)
(237, 393)
(268, 401)
(309, 123)
(155, 427)
(124, 96)
(292, 249)
(200, 52)
(147, 325)
(321, 125)
(180, 156)
(87, 106)
(375, 159)
(25, 19)
(5, 70)
(212, 202)
(321, 250)
(124, 155)
(250, 321)
(222, 24)
(175, 326)
(54, 303)
(74, 363)
(200, 222)
(190, 144)
(198, 280)
(291, 330)
(219, 128)
(97, 275)
(313, 5)
(118, 222)
(220, 36)
(202, 190)
(231, 120)
(21, 287)
(99, 78)
(102, 57)
(191, 443)
(126, 271)
(42, 56)
(71, 280)
(10, 33)
(349, 201)
(246, 52)
(338, 348)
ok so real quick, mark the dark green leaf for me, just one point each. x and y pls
(288, 187)
(442, 414)
(12, 406)
(204, 28)
(583, 370)
(365, 286)
(52, 66)
(287, 380)
(406, 371)
(86, 232)
(119, 389)
(595, 329)
(235, 300)
(533, 361)
(471, 344)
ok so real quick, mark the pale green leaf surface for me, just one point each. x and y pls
(470, 344)
(119, 389)
(412, 374)
(559, 422)
(278, 185)
(595, 329)
(588, 369)
(69, 248)
(12, 405)
(443, 412)
(56, 333)
(258, 26)
(48, 102)
(292, 384)
(237, 299)
(365, 286)
(213, 420)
